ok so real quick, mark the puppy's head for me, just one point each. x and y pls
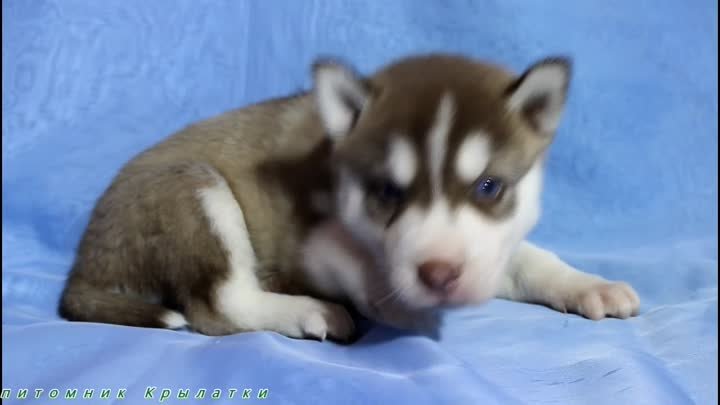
(438, 161)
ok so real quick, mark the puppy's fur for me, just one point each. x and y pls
(398, 193)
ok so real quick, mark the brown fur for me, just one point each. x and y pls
(148, 246)
(479, 91)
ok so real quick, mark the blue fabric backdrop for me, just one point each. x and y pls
(631, 193)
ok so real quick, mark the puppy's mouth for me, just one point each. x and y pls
(445, 294)
(456, 293)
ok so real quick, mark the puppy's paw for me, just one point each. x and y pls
(321, 320)
(603, 299)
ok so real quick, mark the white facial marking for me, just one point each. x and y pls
(528, 203)
(473, 157)
(402, 161)
(333, 263)
(494, 241)
(437, 141)
(350, 197)
(351, 208)
(463, 236)
(419, 235)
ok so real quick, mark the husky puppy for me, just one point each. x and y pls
(398, 193)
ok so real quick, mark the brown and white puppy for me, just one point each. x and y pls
(406, 191)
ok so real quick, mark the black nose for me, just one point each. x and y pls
(438, 275)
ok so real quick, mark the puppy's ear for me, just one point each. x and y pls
(539, 94)
(340, 95)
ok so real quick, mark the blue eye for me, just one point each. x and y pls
(488, 188)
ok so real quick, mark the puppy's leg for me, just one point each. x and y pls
(240, 299)
(538, 276)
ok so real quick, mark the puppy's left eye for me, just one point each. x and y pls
(388, 192)
(488, 189)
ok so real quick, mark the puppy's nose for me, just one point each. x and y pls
(438, 275)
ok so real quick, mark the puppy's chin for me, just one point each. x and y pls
(476, 288)
(395, 313)
(470, 295)
(423, 300)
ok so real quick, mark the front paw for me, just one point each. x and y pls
(603, 299)
(321, 320)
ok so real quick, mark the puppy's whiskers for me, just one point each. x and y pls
(392, 296)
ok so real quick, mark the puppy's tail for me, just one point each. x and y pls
(83, 302)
